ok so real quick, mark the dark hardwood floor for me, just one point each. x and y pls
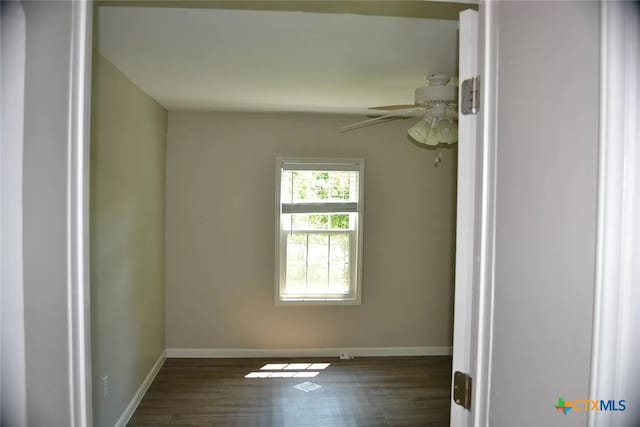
(368, 392)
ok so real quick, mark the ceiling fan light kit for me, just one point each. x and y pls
(437, 100)
(436, 92)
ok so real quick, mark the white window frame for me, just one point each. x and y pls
(355, 296)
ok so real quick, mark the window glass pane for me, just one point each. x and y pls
(299, 186)
(318, 272)
(340, 248)
(339, 278)
(339, 268)
(340, 221)
(319, 186)
(340, 185)
(286, 189)
(298, 222)
(318, 279)
(296, 278)
(318, 249)
(328, 269)
(309, 222)
(296, 248)
(318, 221)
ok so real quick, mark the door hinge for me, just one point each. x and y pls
(462, 390)
(470, 91)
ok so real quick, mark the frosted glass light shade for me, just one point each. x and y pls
(432, 136)
(419, 131)
(434, 133)
(447, 131)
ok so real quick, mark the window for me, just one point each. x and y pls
(319, 231)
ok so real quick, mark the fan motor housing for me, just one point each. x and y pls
(436, 94)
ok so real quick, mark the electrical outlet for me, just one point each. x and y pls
(105, 386)
(344, 355)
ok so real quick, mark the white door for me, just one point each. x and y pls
(467, 223)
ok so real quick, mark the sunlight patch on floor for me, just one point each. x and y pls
(294, 366)
(289, 370)
(280, 374)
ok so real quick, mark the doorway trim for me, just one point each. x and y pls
(486, 211)
(78, 307)
(475, 252)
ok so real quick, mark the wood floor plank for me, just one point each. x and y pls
(368, 392)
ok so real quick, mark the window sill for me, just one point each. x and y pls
(284, 303)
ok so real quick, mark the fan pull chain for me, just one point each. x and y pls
(438, 159)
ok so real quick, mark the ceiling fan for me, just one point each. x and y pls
(435, 103)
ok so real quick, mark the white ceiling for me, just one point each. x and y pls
(246, 60)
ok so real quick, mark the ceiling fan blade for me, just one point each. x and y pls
(411, 110)
(395, 107)
(398, 114)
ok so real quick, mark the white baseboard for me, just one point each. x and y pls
(137, 398)
(307, 352)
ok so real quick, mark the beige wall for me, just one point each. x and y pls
(128, 147)
(220, 234)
